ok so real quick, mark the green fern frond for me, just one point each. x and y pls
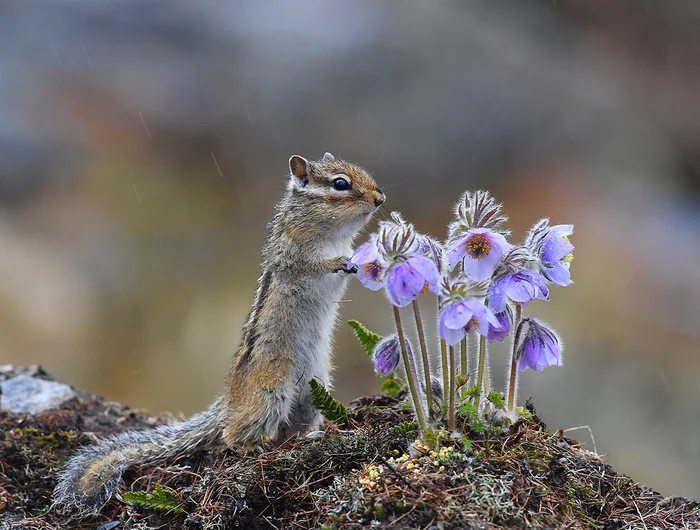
(162, 498)
(368, 339)
(404, 429)
(330, 407)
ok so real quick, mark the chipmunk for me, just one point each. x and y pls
(286, 338)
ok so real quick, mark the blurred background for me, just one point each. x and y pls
(143, 146)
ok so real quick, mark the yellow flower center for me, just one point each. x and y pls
(472, 324)
(566, 260)
(479, 247)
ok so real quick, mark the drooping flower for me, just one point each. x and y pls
(521, 287)
(387, 354)
(461, 317)
(370, 266)
(500, 333)
(397, 259)
(480, 251)
(538, 346)
(551, 244)
(408, 279)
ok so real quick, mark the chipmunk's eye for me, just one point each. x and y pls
(341, 184)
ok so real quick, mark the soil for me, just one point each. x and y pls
(358, 476)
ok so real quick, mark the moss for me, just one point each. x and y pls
(363, 476)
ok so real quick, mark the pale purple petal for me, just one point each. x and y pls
(456, 316)
(526, 286)
(501, 331)
(456, 250)
(555, 247)
(451, 336)
(480, 267)
(480, 315)
(365, 253)
(370, 275)
(404, 284)
(559, 274)
(426, 268)
(497, 294)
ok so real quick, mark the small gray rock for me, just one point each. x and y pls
(23, 394)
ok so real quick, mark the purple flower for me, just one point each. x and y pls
(500, 333)
(557, 254)
(520, 287)
(370, 267)
(387, 354)
(551, 244)
(407, 279)
(538, 346)
(480, 251)
(460, 318)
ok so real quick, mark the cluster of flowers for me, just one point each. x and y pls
(482, 283)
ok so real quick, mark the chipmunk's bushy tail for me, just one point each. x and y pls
(94, 473)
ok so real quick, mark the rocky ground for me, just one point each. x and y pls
(366, 474)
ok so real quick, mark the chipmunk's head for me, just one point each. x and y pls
(343, 193)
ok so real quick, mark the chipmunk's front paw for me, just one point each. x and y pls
(342, 264)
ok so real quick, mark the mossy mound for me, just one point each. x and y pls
(358, 477)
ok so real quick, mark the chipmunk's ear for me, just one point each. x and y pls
(328, 157)
(299, 168)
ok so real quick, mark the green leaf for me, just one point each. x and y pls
(524, 413)
(466, 442)
(473, 392)
(330, 407)
(432, 436)
(391, 387)
(497, 399)
(468, 410)
(404, 429)
(368, 339)
(477, 426)
(162, 498)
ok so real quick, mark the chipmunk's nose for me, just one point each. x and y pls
(379, 199)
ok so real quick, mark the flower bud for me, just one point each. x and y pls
(387, 354)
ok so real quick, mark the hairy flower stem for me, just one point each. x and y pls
(464, 368)
(424, 353)
(487, 367)
(513, 382)
(417, 403)
(445, 369)
(451, 414)
(480, 372)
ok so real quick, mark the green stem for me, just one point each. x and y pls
(445, 370)
(424, 354)
(480, 373)
(417, 404)
(451, 416)
(464, 367)
(487, 367)
(513, 382)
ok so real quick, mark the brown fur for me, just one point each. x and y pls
(285, 340)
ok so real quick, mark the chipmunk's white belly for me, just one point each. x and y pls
(327, 292)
